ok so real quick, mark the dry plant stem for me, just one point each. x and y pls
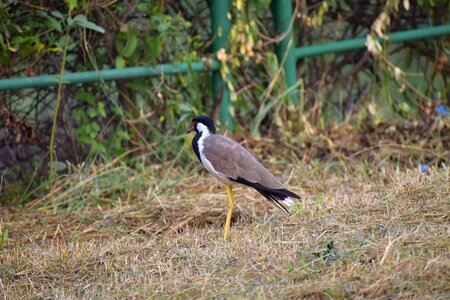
(280, 37)
(55, 114)
(405, 81)
(230, 211)
(269, 89)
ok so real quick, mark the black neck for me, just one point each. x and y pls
(195, 145)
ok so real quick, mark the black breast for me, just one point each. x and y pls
(195, 145)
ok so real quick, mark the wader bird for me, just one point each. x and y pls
(231, 163)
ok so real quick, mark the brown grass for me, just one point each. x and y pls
(361, 231)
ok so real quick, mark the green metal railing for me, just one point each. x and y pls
(106, 75)
(220, 25)
(359, 43)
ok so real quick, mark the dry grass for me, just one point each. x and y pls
(361, 231)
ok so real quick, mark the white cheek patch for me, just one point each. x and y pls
(203, 129)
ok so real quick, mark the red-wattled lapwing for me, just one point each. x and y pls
(231, 163)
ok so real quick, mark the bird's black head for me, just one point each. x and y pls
(204, 120)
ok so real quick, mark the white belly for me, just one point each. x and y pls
(209, 167)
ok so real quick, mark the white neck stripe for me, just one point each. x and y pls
(203, 129)
(205, 133)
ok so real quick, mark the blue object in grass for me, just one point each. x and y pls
(423, 168)
(442, 110)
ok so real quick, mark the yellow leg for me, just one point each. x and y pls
(230, 210)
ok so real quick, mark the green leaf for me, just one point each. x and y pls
(101, 109)
(80, 115)
(85, 96)
(403, 106)
(55, 49)
(153, 46)
(131, 45)
(70, 22)
(54, 24)
(57, 14)
(17, 40)
(4, 59)
(264, 3)
(117, 110)
(96, 147)
(122, 134)
(120, 62)
(82, 21)
(72, 4)
(92, 112)
(143, 7)
(42, 13)
(95, 127)
(60, 166)
(185, 107)
(29, 47)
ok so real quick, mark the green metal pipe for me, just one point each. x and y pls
(105, 75)
(359, 43)
(285, 49)
(220, 28)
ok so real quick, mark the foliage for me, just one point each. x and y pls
(402, 82)
(366, 147)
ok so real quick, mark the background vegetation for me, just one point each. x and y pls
(405, 82)
(127, 211)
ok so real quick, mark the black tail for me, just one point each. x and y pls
(275, 196)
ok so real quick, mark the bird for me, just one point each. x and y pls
(232, 164)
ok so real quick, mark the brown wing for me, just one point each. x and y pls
(234, 161)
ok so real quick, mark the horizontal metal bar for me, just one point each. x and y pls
(353, 44)
(105, 75)
(136, 72)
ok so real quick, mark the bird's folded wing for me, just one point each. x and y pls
(234, 161)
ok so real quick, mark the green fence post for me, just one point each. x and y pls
(220, 28)
(282, 16)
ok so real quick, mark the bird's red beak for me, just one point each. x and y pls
(192, 128)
